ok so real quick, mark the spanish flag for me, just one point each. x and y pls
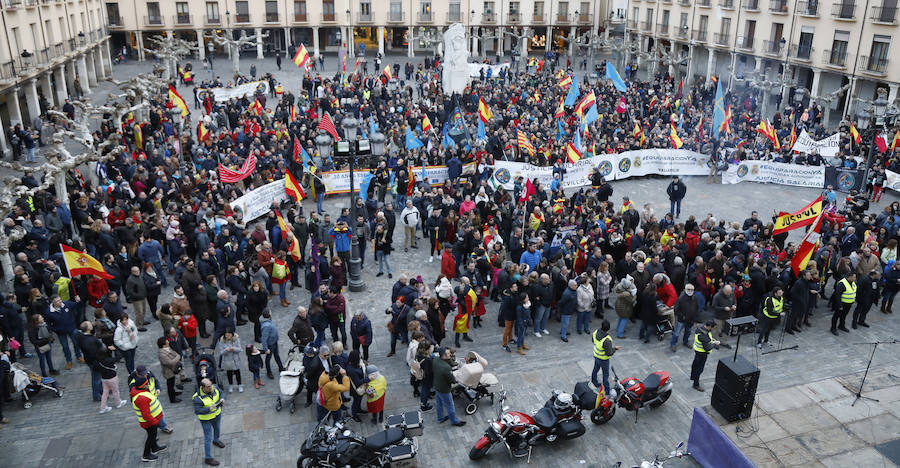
(673, 136)
(802, 217)
(572, 153)
(807, 247)
(484, 111)
(565, 82)
(202, 132)
(292, 188)
(388, 73)
(293, 113)
(895, 140)
(80, 263)
(855, 134)
(726, 123)
(178, 101)
(256, 107)
(301, 59)
(426, 124)
(561, 110)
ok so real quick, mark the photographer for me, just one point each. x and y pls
(331, 385)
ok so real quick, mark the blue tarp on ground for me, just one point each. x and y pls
(711, 447)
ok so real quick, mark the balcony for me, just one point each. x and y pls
(874, 65)
(668, 2)
(585, 18)
(242, 18)
(646, 26)
(514, 18)
(616, 18)
(364, 18)
(562, 18)
(12, 4)
(884, 15)
(71, 46)
(843, 11)
(271, 17)
(772, 48)
(43, 56)
(750, 5)
(396, 17)
(704, 3)
(425, 17)
(778, 7)
(808, 9)
(537, 18)
(116, 22)
(182, 19)
(454, 17)
(681, 32)
(59, 49)
(154, 21)
(300, 18)
(802, 52)
(722, 40)
(662, 29)
(31, 3)
(488, 18)
(212, 19)
(698, 35)
(835, 58)
(746, 43)
(631, 24)
(726, 4)
(684, 2)
(8, 70)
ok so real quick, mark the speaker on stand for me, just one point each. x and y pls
(736, 379)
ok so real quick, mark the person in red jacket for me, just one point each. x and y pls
(448, 263)
(187, 324)
(666, 294)
(149, 413)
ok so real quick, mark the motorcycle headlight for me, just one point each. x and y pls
(496, 427)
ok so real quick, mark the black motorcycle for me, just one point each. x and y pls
(338, 446)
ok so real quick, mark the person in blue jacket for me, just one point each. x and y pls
(361, 333)
(60, 317)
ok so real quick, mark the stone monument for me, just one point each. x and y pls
(456, 64)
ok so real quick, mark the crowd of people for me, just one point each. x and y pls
(187, 271)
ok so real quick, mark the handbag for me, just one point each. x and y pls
(14, 344)
(44, 348)
(390, 327)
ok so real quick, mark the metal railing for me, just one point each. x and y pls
(300, 17)
(514, 17)
(616, 18)
(704, 3)
(271, 17)
(681, 32)
(844, 10)
(886, 15)
(631, 24)
(667, 1)
(488, 18)
(8, 70)
(802, 52)
(585, 17)
(807, 8)
(396, 17)
(153, 21)
(562, 18)
(646, 26)
(778, 7)
(182, 19)
(772, 47)
(92, 36)
(746, 43)
(243, 18)
(212, 19)
(537, 18)
(684, 2)
(116, 22)
(454, 16)
(31, 3)
(662, 29)
(727, 4)
(750, 5)
(875, 65)
(13, 3)
(59, 49)
(424, 17)
(71, 46)
(698, 35)
(835, 58)
(722, 39)
(43, 55)
(364, 17)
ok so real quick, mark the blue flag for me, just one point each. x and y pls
(482, 135)
(613, 75)
(718, 111)
(364, 186)
(411, 141)
(560, 131)
(424, 172)
(373, 127)
(572, 97)
(591, 115)
(577, 140)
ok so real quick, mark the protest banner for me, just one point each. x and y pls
(239, 91)
(775, 173)
(258, 202)
(844, 180)
(660, 162)
(893, 180)
(825, 147)
(339, 181)
(475, 69)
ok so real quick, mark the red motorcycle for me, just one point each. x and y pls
(633, 394)
(558, 419)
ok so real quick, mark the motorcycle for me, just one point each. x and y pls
(558, 419)
(659, 462)
(633, 394)
(338, 446)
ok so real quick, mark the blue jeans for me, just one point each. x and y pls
(521, 330)
(564, 325)
(322, 413)
(157, 267)
(601, 364)
(424, 393)
(542, 313)
(281, 291)
(582, 322)
(96, 385)
(320, 338)
(675, 204)
(45, 357)
(701, 301)
(620, 327)
(401, 201)
(64, 342)
(211, 430)
(320, 197)
(163, 425)
(679, 326)
(444, 403)
(129, 359)
(383, 259)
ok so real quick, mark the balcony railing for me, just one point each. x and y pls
(772, 47)
(836, 58)
(242, 18)
(884, 15)
(116, 22)
(328, 17)
(807, 8)
(396, 17)
(8, 70)
(182, 19)
(364, 17)
(646, 26)
(454, 16)
(514, 17)
(704, 3)
(667, 1)
(537, 18)
(662, 29)
(153, 21)
(562, 18)
(746, 43)
(750, 5)
(585, 18)
(59, 49)
(300, 18)
(681, 32)
(43, 55)
(631, 24)
(488, 18)
(71, 46)
(779, 7)
(31, 3)
(844, 11)
(875, 65)
(802, 52)
(726, 4)
(271, 17)
(425, 17)
(698, 35)
(13, 4)
(684, 2)
(212, 19)
(722, 39)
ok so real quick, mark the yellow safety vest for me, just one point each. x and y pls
(30, 201)
(698, 345)
(378, 387)
(151, 384)
(209, 400)
(62, 288)
(777, 306)
(155, 407)
(599, 352)
(849, 294)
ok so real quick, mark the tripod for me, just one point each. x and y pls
(781, 340)
(868, 365)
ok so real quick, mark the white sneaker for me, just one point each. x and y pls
(121, 403)
(240, 389)
(537, 334)
(431, 259)
(106, 410)
(546, 332)
(231, 389)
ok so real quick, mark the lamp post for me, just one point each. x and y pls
(864, 118)
(228, 29)
(323, 144)
(353, 147)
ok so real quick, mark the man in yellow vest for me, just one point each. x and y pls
(149, 413)
(208, 407)
(842, 300)
(703, 344)
(603, 350)
(772, 308)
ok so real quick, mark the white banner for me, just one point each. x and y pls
(475, 69)
(339, 181)
(239, 91)
(776, 173)
(667, 162)
(825, 147)
(258, 202)
(892, 180)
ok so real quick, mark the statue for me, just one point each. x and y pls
(456, 66)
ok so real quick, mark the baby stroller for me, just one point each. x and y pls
(664, 320)
(205, 367)
(291, 381)
(472, 383)
(30, 383)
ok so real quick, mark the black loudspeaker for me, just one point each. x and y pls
(729, 407)
(738, 378)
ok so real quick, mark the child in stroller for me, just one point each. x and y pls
(30, 383)
(205, 367)
(472, 383)
(291, 381)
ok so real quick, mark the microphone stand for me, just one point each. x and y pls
(781, 340)
(866, 373)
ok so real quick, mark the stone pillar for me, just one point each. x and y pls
(15, 112)
(4, 147)
(47, 89)
(409, 42)
(315, 41)
(201, 45)
(690, 66)
(501, 43)
(98, 64)
(733, 70)
(350, 45)
(381, 40)
(672, 68)
(287, 42)
(31, 99)
(851, 95)
(88, 59)
(61, 92)
(107, 64)
(572, 42)
(711, 63)
(787, 71)
(549, 42)
(83, 75)
(259, 43)
(140, 45)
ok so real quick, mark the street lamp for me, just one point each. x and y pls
(351, 149)
(377, 141)
(323, 144)
(81, 38)
(864, 118)
(26, 58)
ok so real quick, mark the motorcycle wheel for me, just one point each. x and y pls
(306, 462)
(477, 454)
(602, 417)
(662, 399)
(471, 408)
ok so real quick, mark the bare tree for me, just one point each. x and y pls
(234, 46)
(170, 51)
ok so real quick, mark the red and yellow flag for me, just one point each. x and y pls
(807, 247)
(80, 263)
(292, 188)
(524, 142)
(301, 58)
(895, 140)
(673, 136)
(202, 132)
(565, 82)
(484, 111)
(572, 153)
(803, 217)
(426, 124)
(854, 133)
(178, 101)
(388, 73)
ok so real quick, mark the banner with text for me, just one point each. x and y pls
(258, 202)
(893, 180)
(239, 91)
(339, 181)
(667, 162)
(826, 147)
(776, 173)
(844, 180)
